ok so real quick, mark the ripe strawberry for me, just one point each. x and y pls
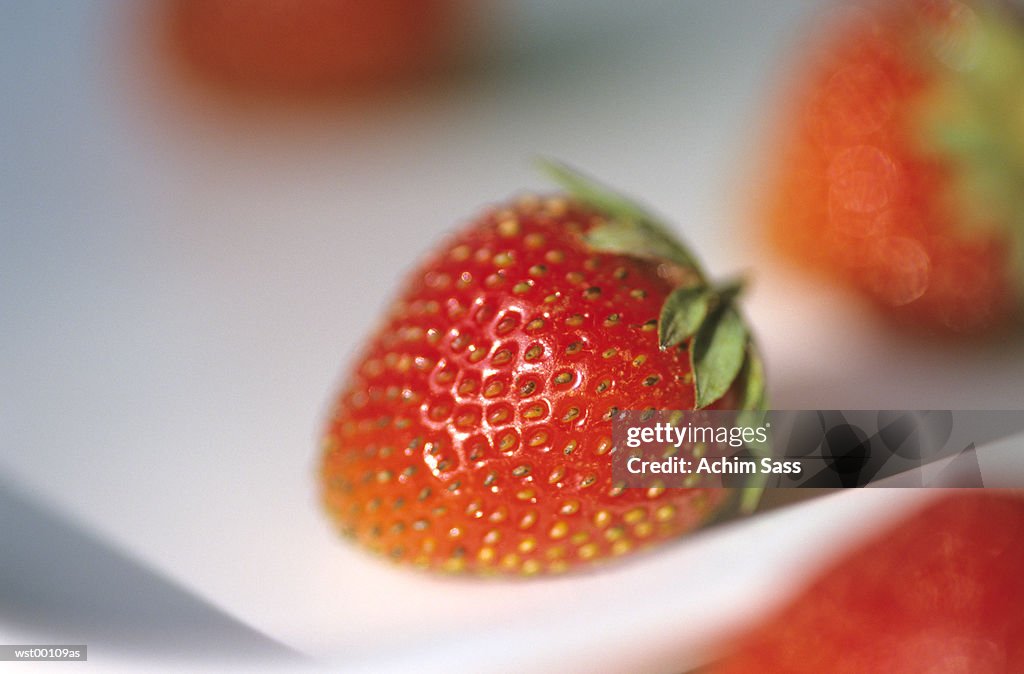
(904, 174)
(475, 431)
(942, 592)
(313, 45)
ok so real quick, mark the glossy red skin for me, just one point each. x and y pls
(856, 198)
(425, 398)
(940, 593)
(312, 45)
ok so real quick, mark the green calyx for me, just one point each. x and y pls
(697, 315)
(630, 229)
(972, 118)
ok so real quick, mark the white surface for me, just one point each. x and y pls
(180, 291)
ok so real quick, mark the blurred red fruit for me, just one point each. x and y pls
(902, 174)
(942, 592)
(313, 45)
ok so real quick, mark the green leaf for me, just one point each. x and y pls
(754, 385)
(683, 313)
(717, 354)
(592, 192)
(631, 229)
(685, 309)
(632, 238)
(754, 412)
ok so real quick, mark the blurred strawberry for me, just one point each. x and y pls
(475, 432)
(313, 45)
(903, 175)
(941, 592)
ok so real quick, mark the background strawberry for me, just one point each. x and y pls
(313, 45)
(903, 175)
(941, 592)
(475, 431)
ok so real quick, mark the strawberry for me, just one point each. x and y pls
(903, 175)
(474, 433)
(941, 592)
(314, 45)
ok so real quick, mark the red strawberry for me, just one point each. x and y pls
(475, 431)
(942, 592)
(312, 45)
(904, 174)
